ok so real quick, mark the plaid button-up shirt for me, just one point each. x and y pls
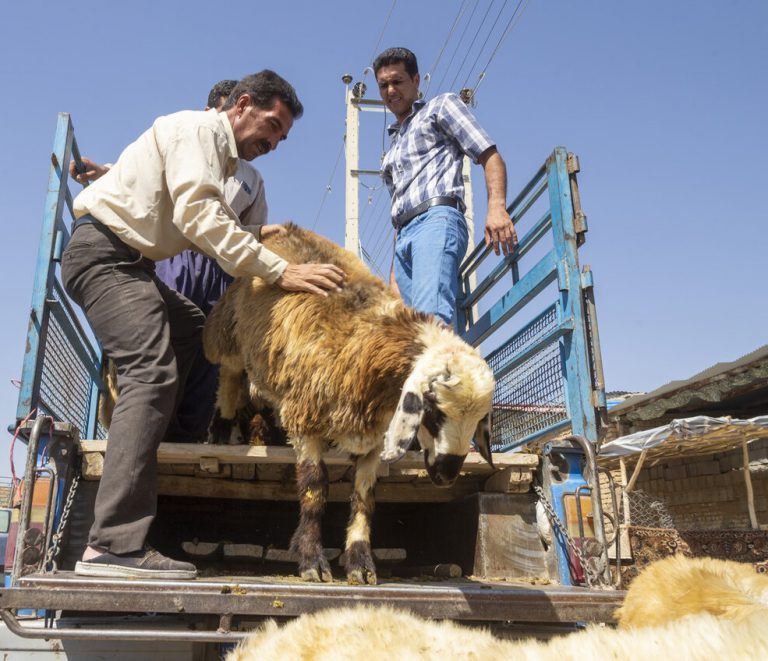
(425, 157)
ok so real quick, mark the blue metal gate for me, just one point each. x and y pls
(547, 367)
(62, 361)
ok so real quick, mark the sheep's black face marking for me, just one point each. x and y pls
(411, 403)
(446, 468)
(403, 428)
(433, 418)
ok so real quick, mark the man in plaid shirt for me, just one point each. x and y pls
(423, 171)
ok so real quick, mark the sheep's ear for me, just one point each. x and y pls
(483, 438)
(449, 380)
(404, 425)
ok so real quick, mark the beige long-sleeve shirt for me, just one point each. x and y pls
(246, 195)
(166, 194)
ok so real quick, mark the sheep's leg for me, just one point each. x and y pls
(312, 484)
(358, 560)
(229, 399)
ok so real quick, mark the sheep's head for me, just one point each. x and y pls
(445, 402)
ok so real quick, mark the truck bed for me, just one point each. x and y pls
(230, 602)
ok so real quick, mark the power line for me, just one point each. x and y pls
(515, 16)
(445, 43)
(456, 50)
(381, 34)
(380, 223)
(328, 185)
(370, 261)
(471, 45)
(371, 205)
(388, 246)
(385, 239)
(485, 43)
(370, 228)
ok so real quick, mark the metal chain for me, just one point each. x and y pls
(590, 573)
(53, 551)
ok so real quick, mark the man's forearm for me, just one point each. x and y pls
(495, 177)
(499, 229)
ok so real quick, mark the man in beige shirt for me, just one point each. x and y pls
(163, 195)
(200, 278)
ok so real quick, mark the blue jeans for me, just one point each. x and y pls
(428, 252)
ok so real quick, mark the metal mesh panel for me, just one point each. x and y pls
(648, 511)
(531, 397)
(65, 385)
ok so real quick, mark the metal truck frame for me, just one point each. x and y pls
(549, 394)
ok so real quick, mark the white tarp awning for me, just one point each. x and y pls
(687, 436)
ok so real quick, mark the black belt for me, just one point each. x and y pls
(83, 220)
(441, 201)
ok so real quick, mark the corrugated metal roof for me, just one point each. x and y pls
(714, 384)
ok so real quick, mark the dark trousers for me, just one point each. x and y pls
(203, 282)
(154, 335)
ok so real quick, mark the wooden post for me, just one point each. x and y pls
(624, 494)
(636, 472)
(748, 483)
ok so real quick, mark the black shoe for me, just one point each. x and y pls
(146, 563)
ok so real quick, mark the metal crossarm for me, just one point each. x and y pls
(547, 364)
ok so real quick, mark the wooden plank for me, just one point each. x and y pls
(382, 556)
(201, 550)
(167, 469)
(243, 551)
(286, 555)
(210, 470)
(440, 570)
(509, 480)
(389, 555)
(92, 466)
(185, 453)
(210, 464)
(180, 485)
(244, 471)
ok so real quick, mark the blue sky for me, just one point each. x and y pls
(664, 102)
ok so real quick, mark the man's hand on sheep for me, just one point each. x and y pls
(314, 278)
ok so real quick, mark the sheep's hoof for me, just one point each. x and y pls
(221, 429)
(236, 437)
(316, 570)
(362, 576)
(359, 565)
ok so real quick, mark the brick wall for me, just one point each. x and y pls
(707, 492)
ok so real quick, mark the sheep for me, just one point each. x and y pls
(377, 633)
(357, 369)
(678, 586)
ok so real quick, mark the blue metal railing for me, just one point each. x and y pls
(61, 374)
(547, 367)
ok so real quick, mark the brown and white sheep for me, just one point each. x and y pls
(349, 369)
(691, 632)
